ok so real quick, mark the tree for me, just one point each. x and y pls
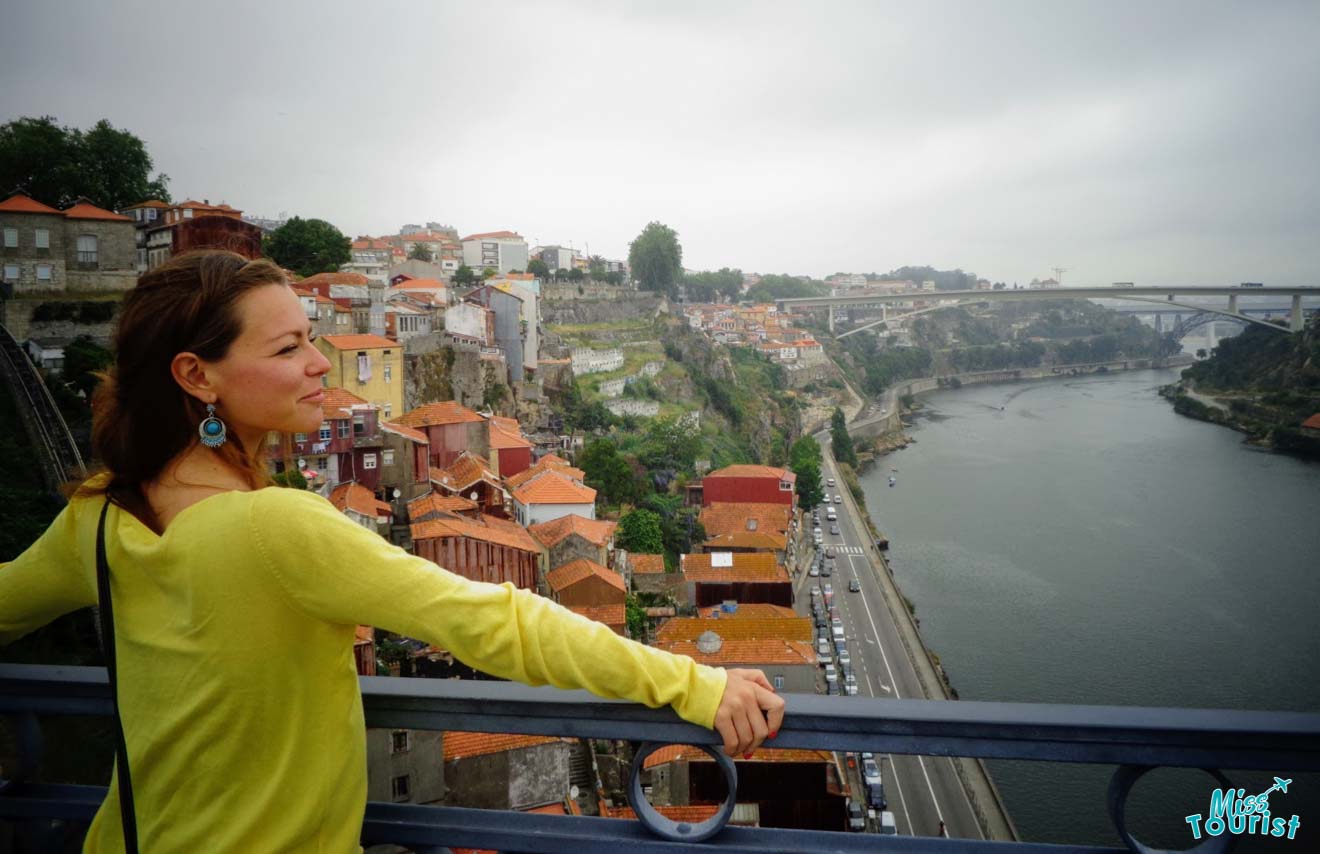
(421, 252)
(670, 443)
(308, 246)
(635, 615)
(561, 274)
(539, 269)
(56, 165)
(576, 275)
(656, 259)
(82, 357)
(608, 472)
(804, 460)
(465, 275)
(639, 532)
(843, 446)
(596, 267)
(489, 272)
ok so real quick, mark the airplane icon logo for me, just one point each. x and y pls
(1281, 785)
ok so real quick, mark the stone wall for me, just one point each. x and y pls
(585, 290)
(452, 374)
(577, 311)
(17, 316)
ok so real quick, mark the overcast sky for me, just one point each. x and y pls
(1158, 142)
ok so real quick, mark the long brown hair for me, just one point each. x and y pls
(141, 418)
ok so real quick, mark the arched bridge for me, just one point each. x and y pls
(1164, 296)
(59, 456)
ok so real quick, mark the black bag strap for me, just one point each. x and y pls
(126, 811)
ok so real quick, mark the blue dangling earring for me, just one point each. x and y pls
(212, 430)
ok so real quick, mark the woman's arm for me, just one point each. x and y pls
(44, 582)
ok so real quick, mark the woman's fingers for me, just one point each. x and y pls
(749, 712)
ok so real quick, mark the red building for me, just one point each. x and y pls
(482, 549)
(510, 453)
(754, 578)
(190, 224)
(746, 483)
(346, 447)
(452, 429)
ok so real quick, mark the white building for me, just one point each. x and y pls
(639, 408)
(409, 322)
(551, 496)
(613, 388)
(501, 250)
(589, 361)
(469, 321)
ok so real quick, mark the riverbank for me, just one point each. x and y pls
(1265, 424)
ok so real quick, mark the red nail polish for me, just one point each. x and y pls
(775, 733)
(747, 756)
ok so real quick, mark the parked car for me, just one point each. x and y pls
(832, 688)
(887, 825)
(831, 675)
(823, 645)
(856, 818)
(875, 796)
(850, 688)
(830, 554)
(834, 529)
(827, 571)
(829, 591)
(870, 771)
(844, 658)
(813, 572)
(822, 658)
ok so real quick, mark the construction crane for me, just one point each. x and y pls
(1058, 274)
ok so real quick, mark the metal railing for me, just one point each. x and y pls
(1135, 738)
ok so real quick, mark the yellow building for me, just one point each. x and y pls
(369, 366)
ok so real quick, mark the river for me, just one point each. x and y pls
(1076, 541)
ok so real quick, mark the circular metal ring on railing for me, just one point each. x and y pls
(1120, 786)
(681, 831)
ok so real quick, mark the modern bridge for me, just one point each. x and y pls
(1162, 295)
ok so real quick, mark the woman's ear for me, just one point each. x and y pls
(191, 373)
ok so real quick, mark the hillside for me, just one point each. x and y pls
(1261, 383)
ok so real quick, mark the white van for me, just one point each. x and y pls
(887, 825)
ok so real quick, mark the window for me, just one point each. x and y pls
(400, 786)
(779, 683)
(389, 373)
(323, 464)
(300, 437)
(368, 461)
(402, 741)
(359, 425)
(43, 272)
(87, 249)
(11, 272)
(389, 410)
(43, 238)
(11, 238)
(151, 214)
(344, 429)
(187, 213)
(325, 431)
(785, 486)
(387, 458)
(273, 439)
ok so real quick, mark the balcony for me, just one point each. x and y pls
(1134, 738)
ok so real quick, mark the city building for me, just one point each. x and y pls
(711, 579)
(510, 452)
(550, 496)
(451, 428)
(370, 366)
(471, 476)
(584, 582)
(749, 483)
(502, 251)
(187, 225)
(485, 548)
(571, 537)
(82, 248)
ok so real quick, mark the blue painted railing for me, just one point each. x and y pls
(1134, 738)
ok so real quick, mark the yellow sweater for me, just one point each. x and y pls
(238, 690)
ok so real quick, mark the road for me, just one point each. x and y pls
(922, 791)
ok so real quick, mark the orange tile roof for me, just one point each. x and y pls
(754, 610)
(1312, 423)
(364, 634)
(434, 414)
(742, 628)
(464, 745)
(406, 432)
(672, 752)
(571, 573)
(755, 651)
(644, 564)
(748, 540)
(753, 567)
(501, 438)
(514, 481)
(554, 488)
(359, 499)
(370, 243)
(692, 813)
(337, 279)
(488, 529)
(358, 342)
(492, 234)
(86, 210)
(21, 202)
(465, 471)
(436, 503)
(754, 471)
(149, 203)
(553, 459)
(421, 284)
(610, 615)
(341, 399)
(595, 531)
(730, 517)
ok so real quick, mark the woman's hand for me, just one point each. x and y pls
(749, 711)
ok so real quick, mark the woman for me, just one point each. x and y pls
(235, 604)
